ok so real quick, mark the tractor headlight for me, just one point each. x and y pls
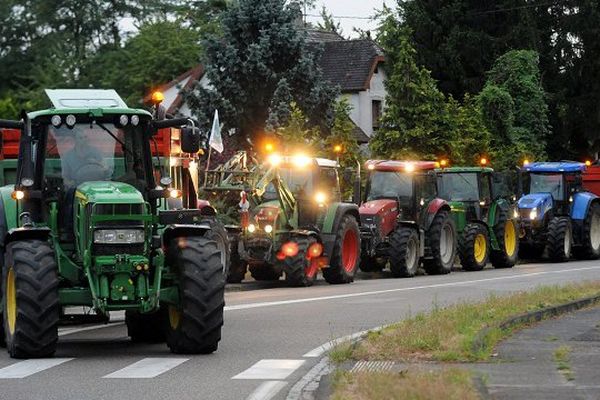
(515, 213)
(268, 228)
(251, 228)
(533, 214)
(320, 198)
(118, 236)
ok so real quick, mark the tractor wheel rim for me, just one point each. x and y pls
(174, 317)
(567, 243)
(223, 249)
(11, 300)
(349, 251)
(446, 241)
(411, 254)
(595, 231)
(510, 238)
(480, 248)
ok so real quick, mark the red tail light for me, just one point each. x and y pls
(315, 250)
(290, 249)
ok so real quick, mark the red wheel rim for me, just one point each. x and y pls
(349, 251)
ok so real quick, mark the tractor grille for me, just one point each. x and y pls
(116, 210)
(112, 249)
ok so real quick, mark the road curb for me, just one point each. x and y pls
(533, 316)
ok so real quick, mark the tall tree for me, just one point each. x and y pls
(261, 49)
(328, 22)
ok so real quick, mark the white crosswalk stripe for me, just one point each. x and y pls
(26, 368)
(147, 368)
(270, 369)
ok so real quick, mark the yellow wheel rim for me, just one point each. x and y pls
(480, 248)
(174, 317)
(11, 300)
(510, 238)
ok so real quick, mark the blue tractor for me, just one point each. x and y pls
(558, 215)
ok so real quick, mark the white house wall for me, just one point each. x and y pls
(361, 102)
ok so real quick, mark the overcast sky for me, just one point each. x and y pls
(349, 8)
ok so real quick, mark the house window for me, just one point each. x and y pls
(376, 106)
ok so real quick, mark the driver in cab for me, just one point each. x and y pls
(84, 162)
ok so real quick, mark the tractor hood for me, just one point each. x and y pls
(536, 200)
(108, 192)
(378, 207)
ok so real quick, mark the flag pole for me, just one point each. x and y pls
(207, 165)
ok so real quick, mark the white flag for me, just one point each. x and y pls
(216, 142)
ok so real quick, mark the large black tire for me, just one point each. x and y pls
(559, 241)
(218, 233)
(346, 252)
(31, 306)
(474, 247)
(507, 236)
(297, 271)
(441, 241)
(372, 264)
(404, 252)
(194, 325)
(146, 328)
(237, 266)
(265, 272)
(590, 240)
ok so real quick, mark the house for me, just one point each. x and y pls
(355, 66)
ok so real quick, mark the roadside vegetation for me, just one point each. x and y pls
(562, 358)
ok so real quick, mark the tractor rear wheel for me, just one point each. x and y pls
(346, 252)
(590, 248)
(300, 271)
(441, 240)
(404, 252)
(218, 233)
(31, 307)
(194, 325)
(507, 237)
(474, 247)
(560, 239)
(146, 328)
(265, 272)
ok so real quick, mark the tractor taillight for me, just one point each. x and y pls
(315, 250)
(289, 249)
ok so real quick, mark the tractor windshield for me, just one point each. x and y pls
(390, 185)
(547, 183)
(90, 152)
(456, 186)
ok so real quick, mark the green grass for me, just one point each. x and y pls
(562, 358)
(447, 334)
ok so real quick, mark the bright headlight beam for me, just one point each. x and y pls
(533, 214)
(300, 160)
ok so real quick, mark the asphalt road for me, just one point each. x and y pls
(268, 339)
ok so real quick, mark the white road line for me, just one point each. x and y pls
(70, 331)
(374, 292)
(318, 352)
(267, 390)
(147, 368)
(23, 369)
(270, 369)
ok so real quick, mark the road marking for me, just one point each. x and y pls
(147, 368)
(270, 369)
(70, 331)
(267, 390)
(374, 292)
(23, 369)
(317, 352)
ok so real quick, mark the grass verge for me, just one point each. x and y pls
(447, 334)
(450, 384)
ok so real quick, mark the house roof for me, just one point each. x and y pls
(191, 77)
(360, 135)
(351, 63)
(319, 36)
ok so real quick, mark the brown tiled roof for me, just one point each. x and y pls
(350, 63)
(318, 36)
(360, 135)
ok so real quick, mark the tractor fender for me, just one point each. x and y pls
(332, 220)
(38, 233)
(581, 204)
(177, 230)
(433, 208)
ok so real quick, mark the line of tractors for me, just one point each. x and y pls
(100, 208)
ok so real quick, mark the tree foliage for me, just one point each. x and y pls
(261, 51)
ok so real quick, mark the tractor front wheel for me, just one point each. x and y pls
(218, 233)
(560, 239)
(507, 236)
(441, 240)
(237, 266)
(590, 248)
(346, 252)
(404, 252)
(146, 328)
(299, 270)
(194, 325)
(30, 307)
(474, 247)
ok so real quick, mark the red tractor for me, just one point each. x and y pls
(403, 222)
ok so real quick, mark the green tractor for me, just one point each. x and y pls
(86, 223)
(294, 223)
(486, 220)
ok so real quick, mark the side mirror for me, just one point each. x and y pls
(190, 139)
